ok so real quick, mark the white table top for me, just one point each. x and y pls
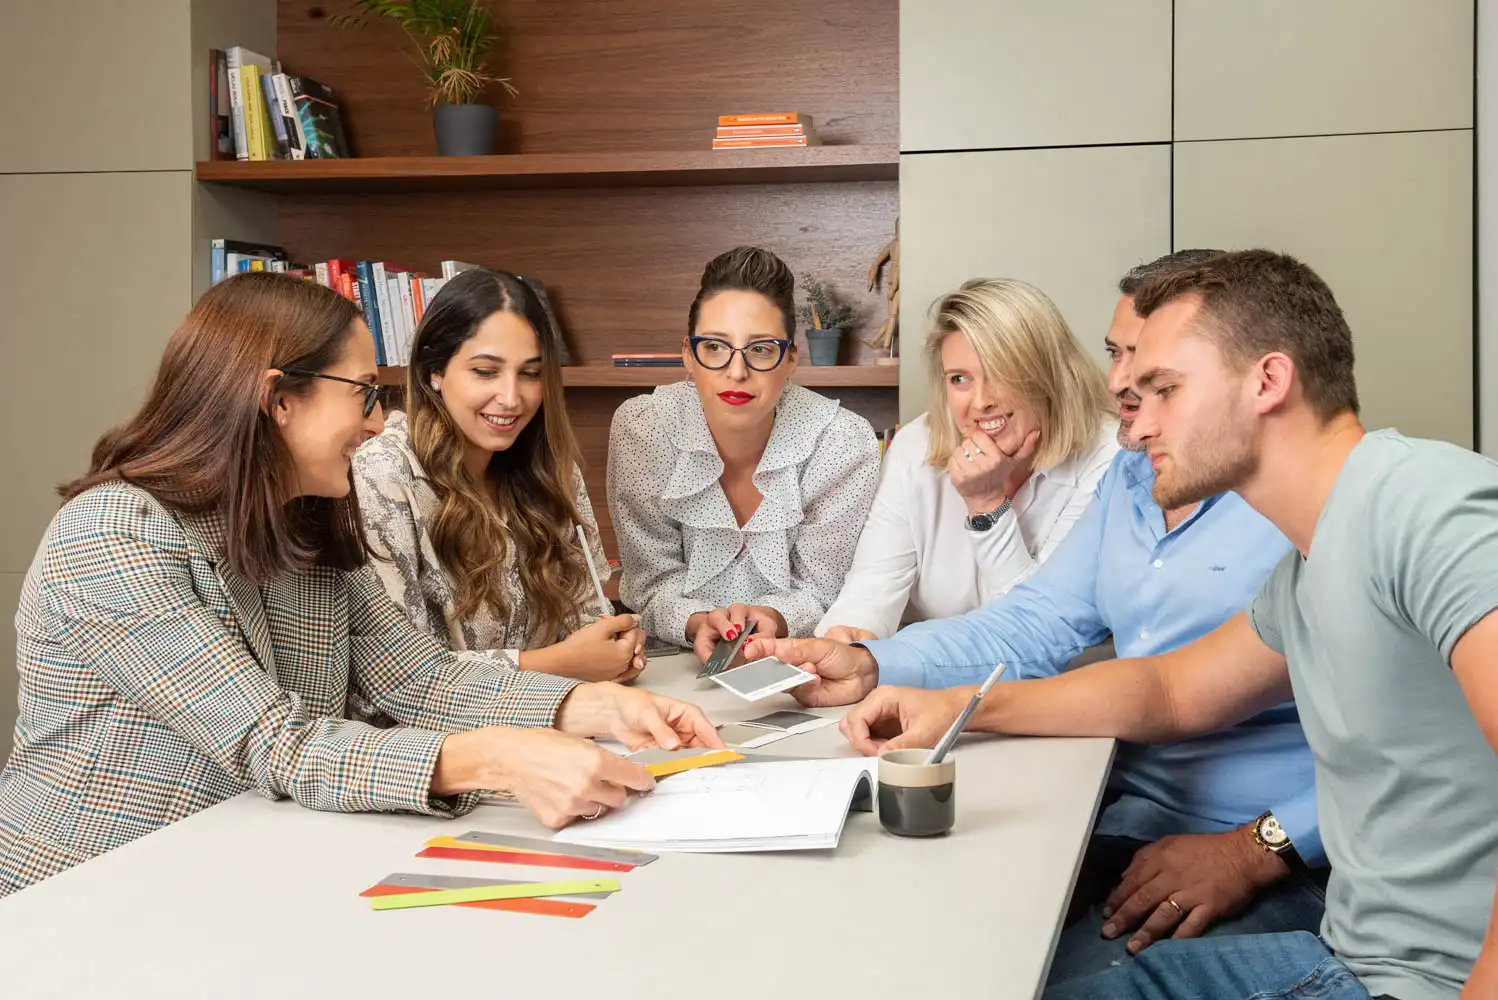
(256, 899)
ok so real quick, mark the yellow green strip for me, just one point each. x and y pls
(529, 890)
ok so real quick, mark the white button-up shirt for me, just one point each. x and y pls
(918, 560)
(681, 548)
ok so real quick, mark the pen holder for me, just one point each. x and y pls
(916, 799)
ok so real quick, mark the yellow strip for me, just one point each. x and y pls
(530, 890)
(716, 757)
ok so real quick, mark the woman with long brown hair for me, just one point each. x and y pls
(472, 497)
(200, 620)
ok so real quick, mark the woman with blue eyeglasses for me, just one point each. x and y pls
(737, 497)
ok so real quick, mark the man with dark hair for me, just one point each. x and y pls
(1178, 818)
(1381, 623)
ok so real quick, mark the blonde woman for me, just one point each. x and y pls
(472, 498)
(978, 491)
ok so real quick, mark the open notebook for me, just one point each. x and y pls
(783, 805)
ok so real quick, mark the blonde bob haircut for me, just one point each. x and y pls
(1022, 343)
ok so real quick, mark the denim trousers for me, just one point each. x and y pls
(1295, 903)
(1292, 966)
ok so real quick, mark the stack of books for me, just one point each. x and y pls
(392, 298)
(257, 112)
(764, 130)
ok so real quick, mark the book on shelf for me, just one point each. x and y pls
(756, 131)
(220, 121)
(766, 142)
(766, 118)
(647, 361)
(322, 123)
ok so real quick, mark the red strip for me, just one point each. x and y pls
(544, 907)
(515, 858)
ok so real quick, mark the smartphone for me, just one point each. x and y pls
(762, 678)
(725, 651)
(660, 647)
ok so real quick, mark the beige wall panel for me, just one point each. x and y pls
(92, 293)
(10, 596)
(1315, 67)
(1070, 221)
(1387, 221)
(985, 74)
(96, 85)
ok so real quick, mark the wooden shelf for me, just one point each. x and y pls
(610, 377)
(536, 171)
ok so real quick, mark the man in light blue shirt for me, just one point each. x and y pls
(1155, 580)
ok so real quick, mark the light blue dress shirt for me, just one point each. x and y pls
(1120, 572)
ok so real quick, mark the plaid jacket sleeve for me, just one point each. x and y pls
(120, 589)
(416, 680)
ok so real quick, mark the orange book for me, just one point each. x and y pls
(767, 118)
(765, 142)
(741, 131)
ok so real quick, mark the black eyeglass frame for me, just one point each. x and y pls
(784, 345)
(371, 389)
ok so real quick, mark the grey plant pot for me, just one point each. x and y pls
(465, 129)
(823, 345)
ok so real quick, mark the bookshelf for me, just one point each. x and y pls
(548, 171)
(606, 189)
(613, 377)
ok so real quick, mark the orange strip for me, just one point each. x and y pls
(544, 907)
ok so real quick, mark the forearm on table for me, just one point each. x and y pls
(1123, 699)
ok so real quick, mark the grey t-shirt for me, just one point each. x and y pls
(1404, 560)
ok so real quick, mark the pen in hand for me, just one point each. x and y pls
(603, 599)
(967, 713)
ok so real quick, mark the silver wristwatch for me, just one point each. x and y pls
(982, 522)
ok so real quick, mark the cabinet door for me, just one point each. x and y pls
(1070, 221)
(1387, 221)
(994, 74)
(1317, 67)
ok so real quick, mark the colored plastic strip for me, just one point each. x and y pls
(517, 858)
(404, 880)
(662, 768)
(532, 845)
(450, 897)
(540, 907)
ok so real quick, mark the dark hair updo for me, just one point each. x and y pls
(748, 269)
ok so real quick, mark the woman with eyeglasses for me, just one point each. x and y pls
(472, 497)
(737, 496)
(201, 620)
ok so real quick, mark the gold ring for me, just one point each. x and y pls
(1179, 912)
(596, 812)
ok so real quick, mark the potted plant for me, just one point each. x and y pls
(825, 318)
(453, 40)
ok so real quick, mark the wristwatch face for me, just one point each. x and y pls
(982, 522)
(1271, 833)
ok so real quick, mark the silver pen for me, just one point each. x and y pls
(967, 713)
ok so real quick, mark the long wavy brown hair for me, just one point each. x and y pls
(522, 514)
(203, 443)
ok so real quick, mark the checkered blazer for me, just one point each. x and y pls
(155, 682)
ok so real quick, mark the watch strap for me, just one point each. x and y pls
(983, 522)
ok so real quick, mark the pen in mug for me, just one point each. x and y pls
(582, 539)
(967, 713)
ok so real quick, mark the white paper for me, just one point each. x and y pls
(770, 806)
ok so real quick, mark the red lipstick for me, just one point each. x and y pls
(735, 398)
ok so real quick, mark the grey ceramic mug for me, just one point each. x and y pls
(916, 799)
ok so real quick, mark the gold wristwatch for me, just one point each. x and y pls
(1272, 837)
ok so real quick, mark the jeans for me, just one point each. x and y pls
(1252, 967)
(1295, 903)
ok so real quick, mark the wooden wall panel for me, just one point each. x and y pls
(623, 264)
(599, 75)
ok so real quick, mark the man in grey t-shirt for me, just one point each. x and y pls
(1381, 623)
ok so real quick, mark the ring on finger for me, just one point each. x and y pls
(1179, 912)
(597, 812)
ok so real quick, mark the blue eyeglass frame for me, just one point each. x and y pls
(784, 346)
